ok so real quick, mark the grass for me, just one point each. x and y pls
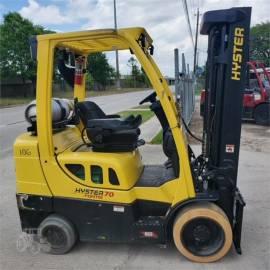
(67, 94)
(158, 138)
(199, 86)
(142, 107)
(13, 101)
(146, 114)
(113, 92)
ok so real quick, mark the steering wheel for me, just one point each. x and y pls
(150, 98)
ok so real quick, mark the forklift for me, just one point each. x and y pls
(79, 171)
(256, 99)
(257, 94)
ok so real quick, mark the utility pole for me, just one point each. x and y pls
(196, 42)
(116, 51)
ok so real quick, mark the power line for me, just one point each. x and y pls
(188, 20)
(193, 11)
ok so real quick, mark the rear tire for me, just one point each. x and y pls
(58, 233)
(202, 233)
(262, 114)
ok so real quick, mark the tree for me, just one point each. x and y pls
(15, 56)
(260, 42)
(144, 78)
(138, 75)
(100, 69)
(135, 72)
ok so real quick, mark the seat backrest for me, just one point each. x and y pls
(170, 150)
(159, 112)
(88, 110)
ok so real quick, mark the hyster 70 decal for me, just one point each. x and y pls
(94, 193)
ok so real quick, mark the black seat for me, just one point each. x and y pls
(113, 135)
(90, 110)
(109, 133)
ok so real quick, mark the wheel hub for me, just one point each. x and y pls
(55, 236)
(203, 236)
(201, 233)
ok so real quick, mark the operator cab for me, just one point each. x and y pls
(107, 143)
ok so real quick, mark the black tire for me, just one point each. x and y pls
(262, 114)
(58, 233)
(202, 109)
(202, 233)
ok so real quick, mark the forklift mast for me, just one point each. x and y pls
(228, 51)
(228, 36)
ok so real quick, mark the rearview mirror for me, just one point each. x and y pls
(151, 50)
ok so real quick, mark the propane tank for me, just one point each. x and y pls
(70, 105)
(61, 110)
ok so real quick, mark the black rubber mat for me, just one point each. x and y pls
(155, 176)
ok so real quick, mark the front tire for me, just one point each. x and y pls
(202, 233)
(262, 114)
(58, 233)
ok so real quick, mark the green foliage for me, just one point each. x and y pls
(89, 81)
(144, 78)
(146, 114)
(158, 138)
(100, 70)
(138, 75)
(135, 71)
(260, 42)
(199, 85)
(14, 46)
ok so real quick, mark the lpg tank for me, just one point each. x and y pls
(61, 110)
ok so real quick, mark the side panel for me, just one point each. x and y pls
(127, 166)
(29, 174)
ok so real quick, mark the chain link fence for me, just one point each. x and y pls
(184, 88)
(187, 98)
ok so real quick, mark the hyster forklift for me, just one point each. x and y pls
(256, 99)
(80, 176)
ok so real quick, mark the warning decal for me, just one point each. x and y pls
(229, 148)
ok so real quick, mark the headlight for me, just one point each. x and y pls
(257, 96)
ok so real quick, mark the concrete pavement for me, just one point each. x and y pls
(254, 183)
(149, 129)
(253, 180)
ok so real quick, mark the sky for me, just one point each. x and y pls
(164, 20)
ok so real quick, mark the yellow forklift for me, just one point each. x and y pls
(79, 172)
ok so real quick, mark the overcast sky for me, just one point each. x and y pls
(164, 20)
